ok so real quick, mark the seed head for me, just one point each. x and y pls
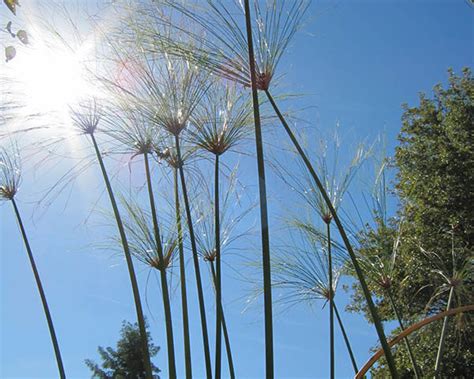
(301, 268)
(223, 119)
(455, 282)
(10, 173)
(215, 39)
(86, 116)
(210, 255)
(385, 282)
(142, 239)
(325, 292)
(263, 80)
(327, 218)
(155, 262)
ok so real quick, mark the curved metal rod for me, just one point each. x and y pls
(408, 331)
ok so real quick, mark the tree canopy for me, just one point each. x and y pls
(429, 242)
(126, 361)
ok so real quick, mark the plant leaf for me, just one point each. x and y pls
(22, 36)
(11, 4)
(9, 29)
(10, 53)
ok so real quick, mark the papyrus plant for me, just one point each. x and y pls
(379, 266)
(166, 92)
(10, 180)
(206, 48)
(335, 181)
(166, 154)
(301, 271)
(221, 121)
(86, 118)
(232, 211)
(455, 276)
(135, 134)
(224, 50)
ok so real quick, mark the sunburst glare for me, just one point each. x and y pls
(51, 78)
(52, 72)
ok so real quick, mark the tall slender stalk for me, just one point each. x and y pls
(267, 281)
(222, 120)
(182, 272)
(197, 271)
(164, 282)
(218, 283)
(407, 343)
(128, 258)
(230, 360)
(442, 338)
(331, 301)
(346, 339)
(47, 313)
(373, 311)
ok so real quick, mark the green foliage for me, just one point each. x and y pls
(22, 36)
(10, 53)
(435, 160)
(11, 4)
(126, 361)
(434, 228)
(436, 163)
(376, 257)
(458, 360)
(10, 172)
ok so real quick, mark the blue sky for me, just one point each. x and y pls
(355, 62)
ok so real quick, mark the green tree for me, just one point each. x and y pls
(126, 361)
(435, 160)
(434, 230)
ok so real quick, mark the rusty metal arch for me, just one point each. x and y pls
(408, 331)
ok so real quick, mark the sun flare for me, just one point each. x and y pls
(51, 80)
(54, 80)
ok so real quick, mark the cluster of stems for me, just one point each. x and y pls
(128, 258)
(360, 275)
(221, 327)
(164, 282)
(197, 271)
(264, 216)
(180, 188)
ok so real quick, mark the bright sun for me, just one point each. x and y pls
(51, 80)
(55, 80)
(46, 79)
(58, 67)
